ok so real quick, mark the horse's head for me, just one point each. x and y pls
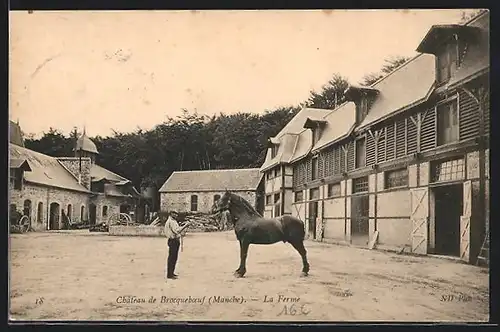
(223, 203)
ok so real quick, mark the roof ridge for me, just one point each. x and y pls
(217, 170)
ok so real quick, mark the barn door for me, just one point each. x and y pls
(419, 218)
(465, 222)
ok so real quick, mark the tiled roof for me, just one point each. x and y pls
(291, 135)
(213, 180)
(15, 134)
(402, 89)
(45, 170)
(99, 173)
(340, 123)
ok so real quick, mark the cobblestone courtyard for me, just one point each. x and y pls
(80, 275)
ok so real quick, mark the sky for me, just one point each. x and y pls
(126, 70)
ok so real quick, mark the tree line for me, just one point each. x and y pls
(197, 142)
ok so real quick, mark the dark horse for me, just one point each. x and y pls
(251, 228)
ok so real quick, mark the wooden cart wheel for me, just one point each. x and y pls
(24, 224)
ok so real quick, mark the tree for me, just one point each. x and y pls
(468, 15)
(331, 95)
(389, 66)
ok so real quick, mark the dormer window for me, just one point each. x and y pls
(448, 43)
(274, 150)
(363, 97)
(446, 61)
(316, 135)
(316, 127)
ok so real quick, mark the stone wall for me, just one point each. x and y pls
(182, 201)
(72, 164)
(42, 197)
(136, 231)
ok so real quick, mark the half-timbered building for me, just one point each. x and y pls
(404, 163)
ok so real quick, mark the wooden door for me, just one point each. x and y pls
(465, 222)
(419, 198)
(313, 214)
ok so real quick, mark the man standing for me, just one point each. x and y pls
(173, 232)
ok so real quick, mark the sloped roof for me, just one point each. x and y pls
(340, 123)
(15, 134)
(45, 170)
(291, 135)
(296, 124)
(98, 173)
(213, 180)
(409, 84)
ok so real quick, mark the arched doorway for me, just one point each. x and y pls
(54, 216)
(69, 213)
(39, 215)
(92, 214)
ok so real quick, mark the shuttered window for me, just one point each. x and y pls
(361, 152)
(428, 131)
(447, 125)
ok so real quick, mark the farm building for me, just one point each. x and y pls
(52, 191)
(196, 191)
(403, 162)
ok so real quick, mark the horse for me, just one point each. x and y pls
(251, 228)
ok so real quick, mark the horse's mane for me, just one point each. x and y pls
(247, 206)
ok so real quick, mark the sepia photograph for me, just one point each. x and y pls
(249, 166)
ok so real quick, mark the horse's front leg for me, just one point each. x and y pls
(240, 272)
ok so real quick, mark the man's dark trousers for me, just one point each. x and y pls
(173, 253)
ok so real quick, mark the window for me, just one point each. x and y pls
(299, 196)
(70, 211)
(361, 152)
(216, 198)
(16, 178)
(39, 215)
(447, 123)
(316, 134)
(277, 210)
(396, 178)
(97, 187)
(82, 213)
(314, 174)
(313, 193)
(360, 184)
(104, 211)
(276, 198)
(277, 171)
(334, 190)
(268, 200)
(269, 175)
(361, 109)
(194, 203)
(448, 170)
(446, 61)
(27, 208)
(274, 150)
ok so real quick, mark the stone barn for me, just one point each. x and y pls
(51, 191)
(404, 163)
(196, 191)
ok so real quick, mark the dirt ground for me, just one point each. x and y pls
(77, 275)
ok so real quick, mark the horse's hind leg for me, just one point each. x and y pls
(299, 246)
